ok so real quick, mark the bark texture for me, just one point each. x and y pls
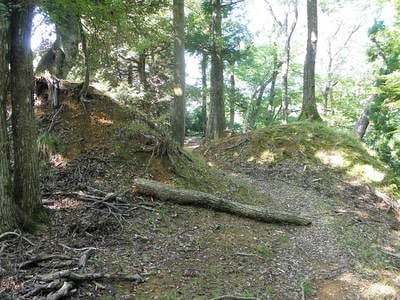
(26, 170)
(361, 126)
(309, 110)
(232, 99)
(216, 119)
(178, 105)
(204, 93)
(85, 85)
(191, 197)
(8, 217)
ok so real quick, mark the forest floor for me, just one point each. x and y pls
(351, 251)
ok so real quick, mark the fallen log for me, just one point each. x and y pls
(183, 196)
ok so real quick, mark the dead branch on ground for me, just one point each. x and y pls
(192, 197)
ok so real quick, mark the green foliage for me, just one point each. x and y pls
(194, 121)
(308, 288)
(385, 111)
(47, 144)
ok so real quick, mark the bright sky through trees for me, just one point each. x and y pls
(362, 13)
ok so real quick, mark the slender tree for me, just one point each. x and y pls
(216, 119)
(204, 90)
(286, 29)
(309, 110)
(26, 168)
(178, 105)
(232, 96)
(8, 217)
(85, 85)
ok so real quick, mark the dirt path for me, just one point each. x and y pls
(314, 253)
(340, 255)
(193, 142)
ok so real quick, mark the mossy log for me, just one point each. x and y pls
(191, 197)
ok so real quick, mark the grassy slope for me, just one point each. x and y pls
(197, 251)
(309, 144)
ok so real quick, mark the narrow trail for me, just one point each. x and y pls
(314, 253)
(318, 262)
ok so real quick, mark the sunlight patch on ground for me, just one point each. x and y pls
(103, 120)
(335, 159)
(380, 291)
(251, 159)
(57, 160)
(64, 203)
(366, 172)
(266, 157)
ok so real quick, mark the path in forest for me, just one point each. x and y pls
(316, 262)
(314, 252)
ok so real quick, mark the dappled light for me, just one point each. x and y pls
(367, 173)
(333, 158)
(200, 149)
(380, 291)
(57, 160)
(265, 157)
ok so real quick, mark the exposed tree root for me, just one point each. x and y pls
(63, 283)
(183, 196)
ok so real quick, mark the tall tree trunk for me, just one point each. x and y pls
(204, 92)
(216, 120)
(232, 100)
(26, 170)
(286, 64)
(271, 97)
(178, 105)
(309, 110)
(8, 215)
(85, 86)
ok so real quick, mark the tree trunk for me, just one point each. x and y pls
(360, 127)
(142, 71)
(178, 105)
(8, 215)
(85, 86)
(232, 100)
(309, 110)
(204, 91)
(255, 103)
(182, 196)
(216, 120)
(286, 65)
(26, 170)
(271, 97)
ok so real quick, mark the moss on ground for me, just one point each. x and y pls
(312, 144)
